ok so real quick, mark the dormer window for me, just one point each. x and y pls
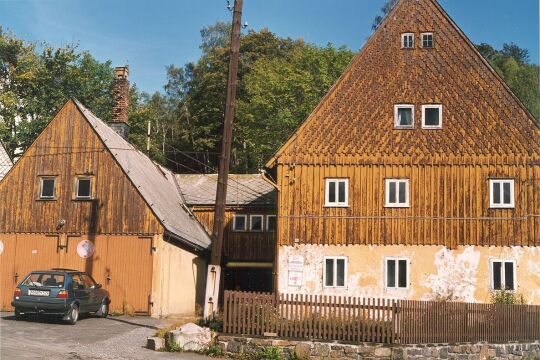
(407, 41)
(432, 116)
(404, 116)
(427, 40)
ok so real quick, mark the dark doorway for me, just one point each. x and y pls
(248, 279)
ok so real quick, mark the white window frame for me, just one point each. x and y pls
(407, 271)
(502, 205)
(268, 222)
(503, 275)
(251, 222)
(41, 197)
(422, 40)
(432, 106)
(337, 203)
(403, 35)
(235, 216)
(77, 196)
(387, 202)
(345, 271)
(396, 117)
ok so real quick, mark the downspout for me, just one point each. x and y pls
(276, 251)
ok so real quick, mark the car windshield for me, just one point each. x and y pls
(44, 280)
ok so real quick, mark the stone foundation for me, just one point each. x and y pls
(307, 350)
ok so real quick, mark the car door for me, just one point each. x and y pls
(94, 300)
(81, 291)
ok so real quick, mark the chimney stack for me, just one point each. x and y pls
(120, 105)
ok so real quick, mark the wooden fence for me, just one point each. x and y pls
(320, 317)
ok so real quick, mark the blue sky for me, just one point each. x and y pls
(152, 34)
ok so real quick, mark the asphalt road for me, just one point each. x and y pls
(91, 338)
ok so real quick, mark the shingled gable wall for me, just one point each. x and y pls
(448, 233)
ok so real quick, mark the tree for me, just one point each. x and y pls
(387, 7)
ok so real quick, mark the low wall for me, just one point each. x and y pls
(306, 350)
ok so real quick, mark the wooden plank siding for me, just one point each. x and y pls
(241, 245)
(66, 148)
(449, 205)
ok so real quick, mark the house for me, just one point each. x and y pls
(250, 217)
(82, 197)
(417, 176)
(5, 161)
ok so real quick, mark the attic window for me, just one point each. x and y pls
(239, 222)
(501, 194)
(432, 116)
(397, 193)
(427, 40)
(407, 41)
(47, 188)
(83, 188)
(404, 116)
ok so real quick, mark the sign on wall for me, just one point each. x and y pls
(296, 270)
(85, 249)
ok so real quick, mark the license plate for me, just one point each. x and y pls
(38, 292)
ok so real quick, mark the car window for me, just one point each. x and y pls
(78, 282)
(88, 280)
(44, 280)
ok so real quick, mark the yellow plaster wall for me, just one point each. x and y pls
(434, 271)
(178, 280)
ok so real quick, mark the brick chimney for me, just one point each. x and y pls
(120, 105)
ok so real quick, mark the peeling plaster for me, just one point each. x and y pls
(456, 275)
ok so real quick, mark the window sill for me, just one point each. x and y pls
(336, 206)
(83, 199)
(392, 206)
(502, 207)
(432, 127)
(398, 127)
(46, 199)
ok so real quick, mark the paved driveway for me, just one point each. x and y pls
(91, 338)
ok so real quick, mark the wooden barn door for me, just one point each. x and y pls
(129, 273)
(7, 270)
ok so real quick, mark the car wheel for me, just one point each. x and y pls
(103, 311)
(73, 315)
(19, 315)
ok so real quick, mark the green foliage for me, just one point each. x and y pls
(507, 297)
(385, 10)
(271, 353)
(171, 346)
(213, 351)
(215, 323)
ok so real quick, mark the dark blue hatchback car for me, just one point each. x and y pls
(64, 292)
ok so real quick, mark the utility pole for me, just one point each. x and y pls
(213, 278)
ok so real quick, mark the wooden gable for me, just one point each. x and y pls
(354, 122)
(69, 147)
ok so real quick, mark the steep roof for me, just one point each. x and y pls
(481, 116)
(156, 184)
(242, 189)
(5, 161)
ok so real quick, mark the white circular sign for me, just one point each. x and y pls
(85, 248)
(1, 247)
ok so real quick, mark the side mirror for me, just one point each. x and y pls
(97, 286)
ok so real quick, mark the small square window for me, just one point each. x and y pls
(432, 116)
(337, 192)
(404, 116)
(83, 188)
(239, 222)
(271, 223)
(47, 188)
(501, 194)
(397, 273)
(256, 223)
(407, 40)
(427, 40)
(503, 275)
(397, 193)
(335, 271)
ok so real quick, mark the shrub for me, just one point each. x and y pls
(214, 351)
(215, 323)
(507, 297)
(271, 353)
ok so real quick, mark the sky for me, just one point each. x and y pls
(151, 34)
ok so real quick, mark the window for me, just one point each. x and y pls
(432, 116)
(427, 40)
(83, 188)
(44, 280)
(404, 116)
(397, 192)
(256, 223)
(503, 275)
(47, 188)
(271, 223)
(501, 194)
(239, 222)
(396, 273)
(337, 192)
(407, 40)
(335, 271)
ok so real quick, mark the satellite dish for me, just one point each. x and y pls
(85, 249)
